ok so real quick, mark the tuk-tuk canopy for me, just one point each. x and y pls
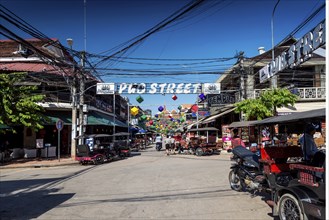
(92, 136)
(313, 114)
(239, 124)
(203, 129)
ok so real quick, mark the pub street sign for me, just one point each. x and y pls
(298, 53)
(158, 88)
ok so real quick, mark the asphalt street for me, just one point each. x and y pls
(148, 185)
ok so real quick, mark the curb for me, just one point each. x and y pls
(38, 165)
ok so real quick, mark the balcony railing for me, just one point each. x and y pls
(307, 93)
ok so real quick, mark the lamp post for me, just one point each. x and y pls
(74, 110)
(274, 78)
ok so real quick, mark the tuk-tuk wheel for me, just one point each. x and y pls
(199, 151)
(99, 160)
(289, 208)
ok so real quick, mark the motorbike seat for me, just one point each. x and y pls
(246, 155)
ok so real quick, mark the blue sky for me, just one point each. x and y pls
(221, 30)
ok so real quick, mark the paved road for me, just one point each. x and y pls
(149, 185)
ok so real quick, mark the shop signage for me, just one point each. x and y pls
(220, 99)
(105, 88)
(211, 88)
(298, 53)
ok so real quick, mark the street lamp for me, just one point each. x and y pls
(74, 110)
(274, 78)
(69, 42)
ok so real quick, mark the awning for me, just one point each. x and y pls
(4, 126)
(97, 118)
(214, 117)
(313, 114)
(195, 123)
(239, 124)
(94, 118)
(65, 116)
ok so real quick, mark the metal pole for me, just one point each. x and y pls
(59, 145)
(114, 116)
(273, 80)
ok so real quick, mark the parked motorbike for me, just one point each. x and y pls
(246, 173)
(158, 146)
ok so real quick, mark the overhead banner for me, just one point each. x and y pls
(298, 53)
(158, 88)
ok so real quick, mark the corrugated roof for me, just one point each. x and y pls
(33, 67)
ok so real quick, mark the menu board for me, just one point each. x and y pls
(245, 134)
(226, 132)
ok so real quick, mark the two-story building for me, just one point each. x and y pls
(51, 68)
(242, 81)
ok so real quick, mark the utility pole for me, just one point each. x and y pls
(242, 79)
(114, 117)
(74, 107)
(81, 99)
(74, 118)
(274, 79)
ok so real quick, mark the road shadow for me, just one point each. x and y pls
(28, 203)
(29, 199)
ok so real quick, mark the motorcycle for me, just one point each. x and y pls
(246, 173)
(158, 146)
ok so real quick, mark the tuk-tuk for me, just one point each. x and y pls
(140, 140)
(91, 151)
(122, 143)
(297, 186)
(203, 141)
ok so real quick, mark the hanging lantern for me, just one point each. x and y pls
(179, 107)
(156, 115)
(139, 99)
(202, 97)
(151, 122)
(160, 108)
(143, 117)
(194, 108)
(172, 119)
(174, 97)
(134, 111)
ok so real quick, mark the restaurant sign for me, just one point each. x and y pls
(298, 53)
(220, 99)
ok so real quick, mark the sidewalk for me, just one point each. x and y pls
(37, 163)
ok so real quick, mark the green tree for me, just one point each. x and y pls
(19, 103)
(266, 105)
